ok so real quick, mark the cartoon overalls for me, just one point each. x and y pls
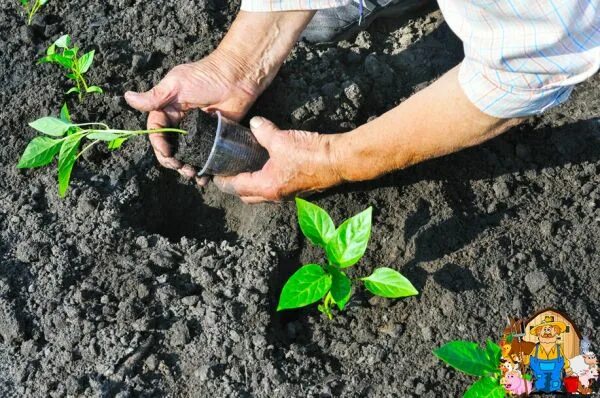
(547, 372)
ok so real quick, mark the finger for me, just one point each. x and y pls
(187, 171)
(252, 200)
(156, 98)
(245, 184)
(160, 142)
(264, 130)
(202, 181)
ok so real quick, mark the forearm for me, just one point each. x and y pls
(436, 121)
(257, 44)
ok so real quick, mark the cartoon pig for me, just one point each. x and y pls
(516, 384)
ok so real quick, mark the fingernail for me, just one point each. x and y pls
(256, 121)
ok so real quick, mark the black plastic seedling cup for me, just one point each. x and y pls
(219, 146)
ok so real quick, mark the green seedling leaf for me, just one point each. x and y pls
(51, 126)
(306, 286)
(24, 2)
(73, 90)
(65, 116)
(86, 61)
(51, 50)
(63, 42)
(66, 161)
(386, 282)
(39, 152)
(94, 89)
(102, 136)
(116, 144)
(486, 387)
(341, 287)
(494, 352)
(70, 53)
(467, 357)
(350, 241)
(315, 223)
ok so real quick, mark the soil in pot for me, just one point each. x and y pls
(194, 147)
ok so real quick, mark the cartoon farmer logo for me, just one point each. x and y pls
(547, 359)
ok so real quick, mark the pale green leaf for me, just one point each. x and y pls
(103, 136)
(63, 42)
(72, 90)
(314, 222)
(467, 357)
(94, 89)
(116, 144)
(39, 152)
(386, 282)
(307, 285)
(66, 161)
(65, 116)
(51, 126)
(486, 387)
(86, 61)
(350, 241)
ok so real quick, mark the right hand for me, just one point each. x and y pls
(210, 84)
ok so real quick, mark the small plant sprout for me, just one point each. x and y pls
(77, 66)
(484, 363)
(31, 7)
(62, 137)
(343, 247)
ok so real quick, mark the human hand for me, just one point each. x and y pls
(211, 84)
(300, 162)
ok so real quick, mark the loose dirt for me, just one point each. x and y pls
(194, 147)
(137, 284)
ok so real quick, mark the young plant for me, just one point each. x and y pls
(77, 66)
(31, 7)
(62, 137)
(343, 247)
(473, 360)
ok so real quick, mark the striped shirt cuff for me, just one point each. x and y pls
(290, 5)
(505, 99)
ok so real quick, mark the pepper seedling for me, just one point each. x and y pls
(62, 137)
(344, 247)
(470, 358)
(77, 66)
(32, 7)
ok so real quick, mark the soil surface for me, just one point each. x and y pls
(194, 147)
(137, 284)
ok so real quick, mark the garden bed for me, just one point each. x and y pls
(138, 284)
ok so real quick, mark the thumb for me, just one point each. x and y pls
(154, 99)
(264, 130)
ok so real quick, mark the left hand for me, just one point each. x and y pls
(300, 162)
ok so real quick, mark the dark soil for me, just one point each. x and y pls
(194, 147)
(137, 284)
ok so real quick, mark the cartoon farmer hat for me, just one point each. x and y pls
(549, 321)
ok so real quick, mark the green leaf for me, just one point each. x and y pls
(39, 152)
(86, 61)
(47, 59)
(341, 287)
(24, 2)
(73, 90)
(63, 42)
(66, 161)
(103, 136)
(467, 357)
(65, 116)
(94, 89)
(51, 126)
(308, 285)
(70, 53)
(486, 387)
(58, 59)
(494, 352)
(350, 241)
(386, 282)
(51, 50)
(42, 2)
(116, 144)
(315, 223)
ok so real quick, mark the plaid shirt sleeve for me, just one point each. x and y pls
(523, 57)
(289, 5)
